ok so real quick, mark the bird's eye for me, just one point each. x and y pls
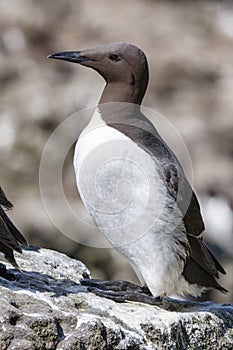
(114, 57)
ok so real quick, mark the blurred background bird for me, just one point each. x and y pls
(10, 237)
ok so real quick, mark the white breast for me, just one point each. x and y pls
(95, 134)
(118, 182)
(121, 187)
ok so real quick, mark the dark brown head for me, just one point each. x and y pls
(123, 66)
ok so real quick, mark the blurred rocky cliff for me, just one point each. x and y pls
(189, 45)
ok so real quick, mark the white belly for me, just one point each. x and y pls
(123, 191)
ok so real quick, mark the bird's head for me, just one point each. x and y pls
(118, 63)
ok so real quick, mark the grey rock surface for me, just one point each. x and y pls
(45, 307)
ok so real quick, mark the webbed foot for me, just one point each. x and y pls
(120, 291)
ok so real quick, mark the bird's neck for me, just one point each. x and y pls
(121, 92)
(120, 102)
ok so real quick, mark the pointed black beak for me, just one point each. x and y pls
(71, 56)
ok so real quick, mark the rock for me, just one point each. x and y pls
(45, 307)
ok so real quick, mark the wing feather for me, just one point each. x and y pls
(179, 188)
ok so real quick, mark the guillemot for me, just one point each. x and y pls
(158, 225)
(10, 237)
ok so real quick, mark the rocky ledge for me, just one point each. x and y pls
(45, 307)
